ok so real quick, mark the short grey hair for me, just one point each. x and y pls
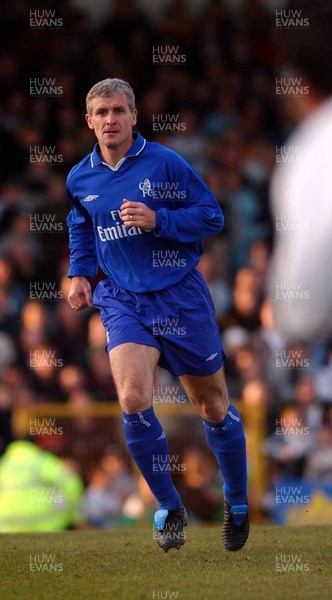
(110, 87)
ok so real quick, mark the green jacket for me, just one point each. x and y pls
(37, 491)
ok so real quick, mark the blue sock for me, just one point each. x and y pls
(228, 443)
(148, 447)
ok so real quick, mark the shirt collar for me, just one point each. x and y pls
(134, 150)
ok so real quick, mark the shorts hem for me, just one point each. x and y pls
(116, 343)
(198, 372)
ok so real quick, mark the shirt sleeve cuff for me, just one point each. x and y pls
(158, 228)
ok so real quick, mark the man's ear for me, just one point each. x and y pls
(88, 119)
(134, 116)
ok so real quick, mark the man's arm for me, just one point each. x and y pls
(83, 259)
(80, 294)
(198, 216)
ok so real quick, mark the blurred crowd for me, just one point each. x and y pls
(222, 96)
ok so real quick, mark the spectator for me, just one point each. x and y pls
(141, 505)
(319, 463)
(38, 492)
(199, 485)
(110, 485)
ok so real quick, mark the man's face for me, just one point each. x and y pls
(112, 121)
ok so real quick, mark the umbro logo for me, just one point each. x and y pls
(212, 356)
(90, 198)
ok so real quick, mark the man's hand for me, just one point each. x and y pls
(80, 293)
(137, 214)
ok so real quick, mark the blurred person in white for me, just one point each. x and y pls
(301, 189)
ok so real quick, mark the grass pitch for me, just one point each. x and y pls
(128, 565)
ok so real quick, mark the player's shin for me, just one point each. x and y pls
(228, 443)
(148, 447)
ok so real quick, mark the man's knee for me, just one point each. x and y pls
(213, 404)
(132, 401)
(214, 409)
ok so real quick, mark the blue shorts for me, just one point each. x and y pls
(178, 320)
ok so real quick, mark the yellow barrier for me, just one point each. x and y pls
(254, 418)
